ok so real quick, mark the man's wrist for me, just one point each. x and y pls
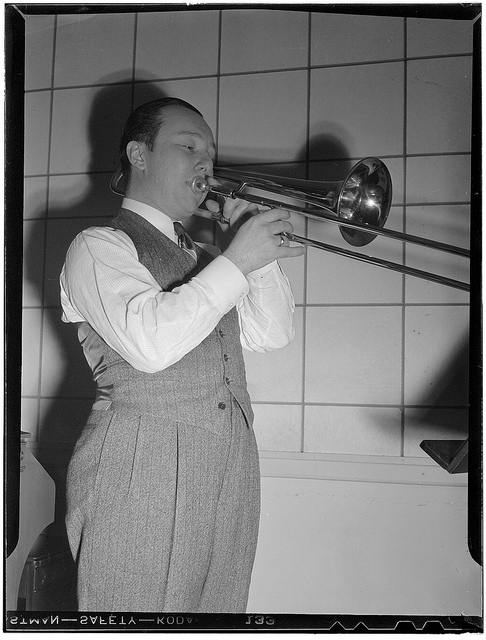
(241, 263)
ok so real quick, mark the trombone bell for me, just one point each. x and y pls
(365, 197)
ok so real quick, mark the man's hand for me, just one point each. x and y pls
(258, 241)
(233, 212)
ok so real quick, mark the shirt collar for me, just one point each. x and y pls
(157, 218)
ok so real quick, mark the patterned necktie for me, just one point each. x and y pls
(184, 240)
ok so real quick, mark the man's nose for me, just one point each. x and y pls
(205, 163)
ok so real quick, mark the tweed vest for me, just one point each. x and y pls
(199, 388)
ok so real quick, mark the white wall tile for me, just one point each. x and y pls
(297, 170)
(93, 49)
(200, 92)
(353, 430)
(440, 223)
(341, 39)
(438, 179)
(39, 51)
(353, 355)
(31, 333)
(258, 40)
(434, 37)
(82, 195)
(439, 105)
(278, 427)
(433, 424)
(276, 376)
(174, 44)
(147, 91)
(360, 105)
(37, 122)
(337, 279)
(396, 168)
(334, 279)
(326, 145)
(87, 126)
(263, 117)
(35, 197)
(33, 262)
(436, 370)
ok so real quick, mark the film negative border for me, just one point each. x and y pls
(159, 622)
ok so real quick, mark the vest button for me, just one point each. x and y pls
(227, 380)
(222, 406)
(226, 357)
(221, 333)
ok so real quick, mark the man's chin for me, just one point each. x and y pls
(188, 212)
(197, 203)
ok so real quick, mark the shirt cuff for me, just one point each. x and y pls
(259, 273)
(227, 283)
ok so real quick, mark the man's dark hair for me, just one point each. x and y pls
(143, 125)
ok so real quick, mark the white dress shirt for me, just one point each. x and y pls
(104, 284)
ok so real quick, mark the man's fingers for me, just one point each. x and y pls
(212, 205)
(276, 214)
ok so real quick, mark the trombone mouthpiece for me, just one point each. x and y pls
(199, 185)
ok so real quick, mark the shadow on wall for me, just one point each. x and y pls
(439, 409)
(64, 414)
(448, 389)
(326, 148)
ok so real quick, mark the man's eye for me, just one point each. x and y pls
(188, 146)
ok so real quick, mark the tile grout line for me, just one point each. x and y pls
(46, 222)
(404, 249)
(306, 263)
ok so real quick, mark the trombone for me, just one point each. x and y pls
(359, 205)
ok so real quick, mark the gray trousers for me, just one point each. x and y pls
(163, 517)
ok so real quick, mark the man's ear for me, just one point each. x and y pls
(136, 154)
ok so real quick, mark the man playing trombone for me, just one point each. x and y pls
(163, 485)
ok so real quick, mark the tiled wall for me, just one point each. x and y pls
(379, 361)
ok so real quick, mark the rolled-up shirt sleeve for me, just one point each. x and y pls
(266, 312)
(104, 284)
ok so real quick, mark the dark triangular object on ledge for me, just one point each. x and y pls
(450, 454)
